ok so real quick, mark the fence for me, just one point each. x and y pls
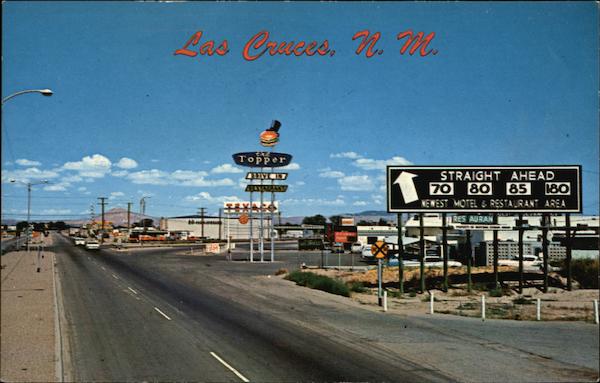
(519, 308)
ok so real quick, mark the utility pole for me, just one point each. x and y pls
(129, 215)
(202, 211)
(102, 203)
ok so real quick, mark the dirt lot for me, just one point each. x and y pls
(556, 304)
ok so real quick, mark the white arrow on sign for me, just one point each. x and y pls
(407, 187)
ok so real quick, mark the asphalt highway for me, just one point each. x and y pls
(162, 315)
(125, 320)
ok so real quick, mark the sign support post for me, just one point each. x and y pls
(422, 251)
(251, 229)
(545, 224)
(520, 227)
(400, 256)
(495, 246)
(569, 247)
(272, 231)
(379, 277)
(469, 253)
(262, 229)
(445, 249)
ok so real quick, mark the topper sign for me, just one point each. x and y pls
(262, 159)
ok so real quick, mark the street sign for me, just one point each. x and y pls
(379, 249)
(511, 189)
(474, 219)
(266, 176)
(262, 159)
(244, 207)
(267, 188)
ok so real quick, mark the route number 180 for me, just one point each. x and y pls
(558, 188)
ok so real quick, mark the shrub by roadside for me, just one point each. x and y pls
(319, 282)
(584, 271)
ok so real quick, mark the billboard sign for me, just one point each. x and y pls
(267, 188)
(266, 176)
(344, 236)
(244, 207)
(509, 189)
(262, 159)
(347, 221)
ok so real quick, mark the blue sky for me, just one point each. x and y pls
(511, 84)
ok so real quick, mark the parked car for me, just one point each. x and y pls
(78, 241)
(529, 262)
(337, 247)
(92, 245)
(429, 261)
(356, 247)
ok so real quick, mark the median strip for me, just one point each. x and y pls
(161, 313)
(224, 363)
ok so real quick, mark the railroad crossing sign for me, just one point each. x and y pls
(379, 249)
(507, 189)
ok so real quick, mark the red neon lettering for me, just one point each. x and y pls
(419, 41)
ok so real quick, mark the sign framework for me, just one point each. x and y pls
(509, 189)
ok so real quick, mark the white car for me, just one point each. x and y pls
(92, 245)
(356, 247)
(79, 241)
(429, 261)
(529, 262)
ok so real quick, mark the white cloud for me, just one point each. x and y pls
(371, 164)
(95, 166)
(360, 203)
(313, 202)
(226, 168)
(26, 162)
(178, 178)
(206, 197)
(150, 177)
(57, 187)
(154, 160)
(81, 189)
(114, 195)
(300, 183)
(119, 173)
(126, 163)
(328, 173)
(351, 155)
(356, 183)
(26, 175)
(292, 166)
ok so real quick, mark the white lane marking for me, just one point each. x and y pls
(132, 290)
(224, 363)
(161, 313)
(103, 268)
(115, 277)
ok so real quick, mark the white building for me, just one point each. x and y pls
(216, 227)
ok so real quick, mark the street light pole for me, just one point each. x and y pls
(44, 92)
(29, 185)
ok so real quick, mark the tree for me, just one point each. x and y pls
(336, 220)
(314, 220)
(146, 222)
(382, 222)
(362, 222)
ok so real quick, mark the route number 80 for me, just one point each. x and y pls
(479, 188)
(558, 188)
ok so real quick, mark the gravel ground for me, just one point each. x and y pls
(28, 309)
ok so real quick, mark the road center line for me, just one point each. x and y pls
(161, 313)
(224, 363)
(132, 290)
